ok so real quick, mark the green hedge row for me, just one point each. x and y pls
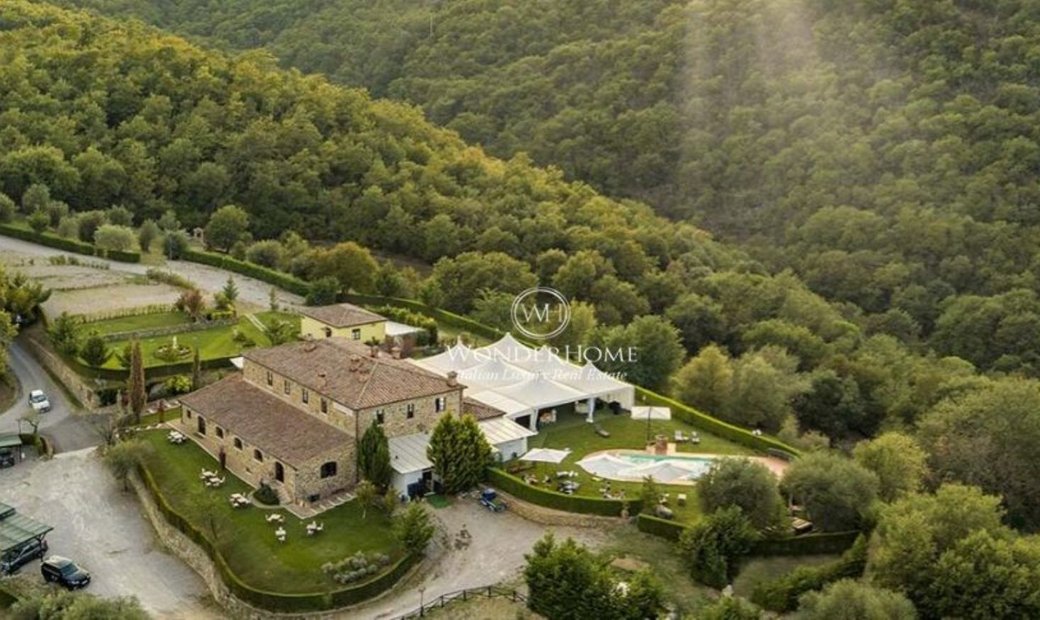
(154, 372)
(807, 544)
(277, 278)
(274, 601)
(781, 595)
(657, 526)
(560, 501)
(69, 245)
(718, 427)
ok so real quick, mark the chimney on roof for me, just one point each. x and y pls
(355, 362)
(395, 352)
(453, 379)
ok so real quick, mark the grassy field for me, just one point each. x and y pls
(213, 343)
(686, 594)
(573, 433)
(134, 323)
(765, 569)
(248, 542)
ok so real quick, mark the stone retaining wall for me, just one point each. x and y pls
(548, 516)
(75, 384)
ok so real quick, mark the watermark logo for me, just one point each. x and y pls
(540, 313)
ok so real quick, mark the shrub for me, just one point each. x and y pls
(169, 277)
(176, 244)
(266, 495)
(177, 384)
(712, 548)
(323, 291)
(39, 221)
(68, 227)
(7, 208)
(114, 237)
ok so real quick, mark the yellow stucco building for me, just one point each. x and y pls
(342, 321)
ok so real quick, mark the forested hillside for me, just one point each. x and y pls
(886, 150)
(97, 113)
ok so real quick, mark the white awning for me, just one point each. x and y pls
(506, 405)
(408, 453)
(237, 362)
(503, 430)
(651, 413)
(539, 392)
(545, 455)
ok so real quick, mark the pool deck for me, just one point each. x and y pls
(775, 465)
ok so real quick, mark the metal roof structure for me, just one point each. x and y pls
(502, 430)
(408, 453)
(16, 529)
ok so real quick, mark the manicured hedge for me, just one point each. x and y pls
(781, 595)
(559, 501)
(154, 372)
(807, 544)
(275, 601)
(69, 245)
(660, 527)
(277, 278)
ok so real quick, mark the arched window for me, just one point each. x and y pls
(328, 470)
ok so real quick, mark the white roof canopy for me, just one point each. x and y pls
(400, 329)
(516, 379)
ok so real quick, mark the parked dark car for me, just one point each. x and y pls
(6, 458)
(65, 572)
(17, 558)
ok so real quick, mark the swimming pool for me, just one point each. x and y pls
(670, 468)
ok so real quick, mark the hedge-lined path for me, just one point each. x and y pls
(494, 554)
(101, 527)
(209, 279)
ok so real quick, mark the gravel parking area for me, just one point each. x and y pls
(100, 527)
(495, 554)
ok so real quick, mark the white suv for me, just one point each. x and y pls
(38, 401)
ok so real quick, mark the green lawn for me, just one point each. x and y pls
(760, 569)
(135, 323)
(213, 343)
(250, 547)
(680, 589)
(572, 432)
(268, 318)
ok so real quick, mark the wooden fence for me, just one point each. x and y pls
(463, 595)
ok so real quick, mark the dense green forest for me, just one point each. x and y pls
(885, 150)
(127, 124)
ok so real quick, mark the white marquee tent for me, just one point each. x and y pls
(520, 381)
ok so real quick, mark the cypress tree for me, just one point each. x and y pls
(196, 371)
(374, 457)
(138, 397)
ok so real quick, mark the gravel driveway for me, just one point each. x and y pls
(496, 554)
(208, 278)
(100, 527)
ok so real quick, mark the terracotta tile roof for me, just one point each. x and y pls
(326, 367)
(265, 421)
(479, 410)
(341, 315)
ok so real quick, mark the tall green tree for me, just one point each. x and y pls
(136, 388)
(713, 547)
(196, 370)
(95, 350)
(645, 352)
(855, 600)
(226, 226)
(746, 484)
(837, 493)
(374, 457)
(459, 452)
(414, 528)
(898, 461)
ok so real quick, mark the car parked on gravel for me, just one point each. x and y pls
(65, 572)
(17, 558)
(38, 401)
